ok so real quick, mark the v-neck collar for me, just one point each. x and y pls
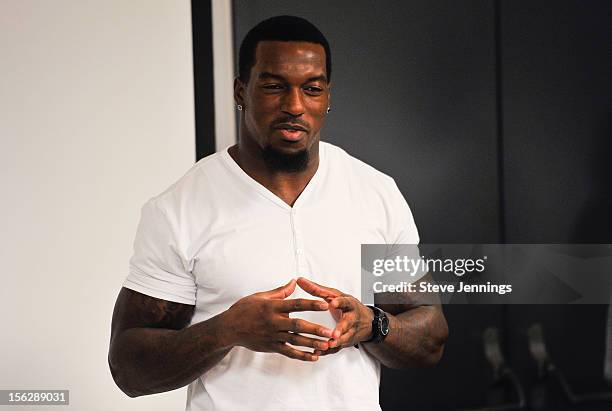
(264, 191)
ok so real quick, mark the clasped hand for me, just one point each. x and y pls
(261, 322)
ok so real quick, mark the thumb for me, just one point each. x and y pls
(281, 292)
(317, 290)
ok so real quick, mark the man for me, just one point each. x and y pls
(205, 303)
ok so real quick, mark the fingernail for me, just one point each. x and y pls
(314, 357)
(323, 305)
(328, 333)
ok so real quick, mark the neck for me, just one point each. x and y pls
(286, 185)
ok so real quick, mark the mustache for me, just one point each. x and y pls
(290, 121)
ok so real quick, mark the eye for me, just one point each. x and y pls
(273, 86)
(313, 90)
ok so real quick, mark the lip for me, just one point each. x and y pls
(290, 126)
(291, 135)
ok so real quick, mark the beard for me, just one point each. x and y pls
(276, 160)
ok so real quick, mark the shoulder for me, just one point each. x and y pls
(378, 194)
(196, 183)
(368, 177)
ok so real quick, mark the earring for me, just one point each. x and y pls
(239, 107)
(328, 109)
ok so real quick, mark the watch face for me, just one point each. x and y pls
(384, 329)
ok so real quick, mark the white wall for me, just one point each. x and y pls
(96, 116)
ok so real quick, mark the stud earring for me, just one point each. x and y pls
(239, 107)
(328, 109)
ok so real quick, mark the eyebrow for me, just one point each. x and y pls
(266, 75)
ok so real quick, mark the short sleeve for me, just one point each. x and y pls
(157, 267)
(402, 228)
(402, 238)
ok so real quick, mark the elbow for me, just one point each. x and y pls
(131, 394)
(433, 357)
(128, 391)
(120, 379)
(428, 349)
(120, 362)
(435, 349)
(428, 359)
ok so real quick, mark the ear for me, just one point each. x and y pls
(239, 88)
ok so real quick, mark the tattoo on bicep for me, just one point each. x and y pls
(159, 313)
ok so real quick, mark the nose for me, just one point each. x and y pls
(292, 103)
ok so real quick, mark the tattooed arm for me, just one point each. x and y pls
(152, 350)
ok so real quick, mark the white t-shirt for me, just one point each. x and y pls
(217, 235)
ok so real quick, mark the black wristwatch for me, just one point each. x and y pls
(380, 325)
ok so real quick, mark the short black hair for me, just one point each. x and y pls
(280, 28)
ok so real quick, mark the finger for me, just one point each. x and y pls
(342, 303)
(317, 290)
(342, 328)
(326, 352)
(287, 351)
(345, 340)
(281, 292)
(298, 325)
(302, 341)
(302, 304)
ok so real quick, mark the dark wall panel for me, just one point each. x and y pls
(203, 79)
(414, 95)
(558, 98)
(557, 63)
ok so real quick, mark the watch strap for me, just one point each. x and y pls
(377, 324)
